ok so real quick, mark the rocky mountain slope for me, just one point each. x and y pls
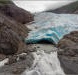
(70, 8)
(12, 33)
(12, 30)
(12, 11)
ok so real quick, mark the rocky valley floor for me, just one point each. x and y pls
(19, 58)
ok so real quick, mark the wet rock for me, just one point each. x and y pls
(12, 59)
(18, 70)
(22, 56)
(65, 43)
(38, 47)
(68, 55)
(2, 57)
(18, 67)
(69, 67)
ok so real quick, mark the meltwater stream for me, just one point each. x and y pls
(46, 60)
(45, 64)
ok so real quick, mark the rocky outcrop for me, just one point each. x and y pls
(12, 28)
(11, 35)
(13, 12)
(68, 54)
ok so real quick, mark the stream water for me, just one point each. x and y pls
(45, 64)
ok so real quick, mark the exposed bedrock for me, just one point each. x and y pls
(12, 28)
(68, 54)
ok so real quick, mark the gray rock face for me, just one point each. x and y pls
(69, 54)
(11, 35)
(8, 42)
(12, 28)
